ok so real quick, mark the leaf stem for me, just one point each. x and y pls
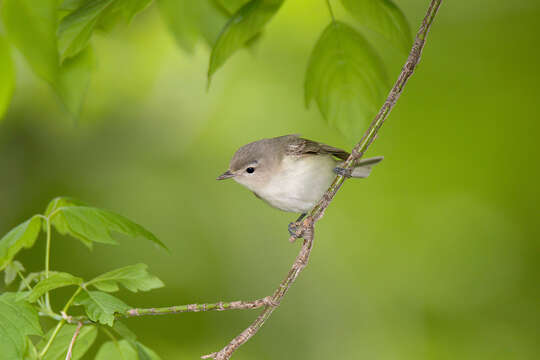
(330, 10)
(60, 323)
(23, 280)
(47, 259)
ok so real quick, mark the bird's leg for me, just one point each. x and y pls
(294, 227)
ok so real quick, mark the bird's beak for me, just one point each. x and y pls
(227, 174)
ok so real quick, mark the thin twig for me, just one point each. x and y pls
(70, 349)
(219, 306)
(306, 228)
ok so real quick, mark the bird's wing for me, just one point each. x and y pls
(299, 146)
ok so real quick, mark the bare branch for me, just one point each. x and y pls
(219, 306)
(306, 227)
(72, 343)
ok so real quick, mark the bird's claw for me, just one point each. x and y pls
(295, 229)
(343, 172)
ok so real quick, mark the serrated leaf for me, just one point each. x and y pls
(247, 22)
(92, 224)
(60, 345)
(7, 76)
(18, 319)
(75, 29)
(384, 17)
(11, 270)
(132, 277)
(346, 78)
(100, 306)
(190, 20)
(120, 350)
(23, 235)
(54, 281)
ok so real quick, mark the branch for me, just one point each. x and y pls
(220, 306)
(70, 349)
(306, 227)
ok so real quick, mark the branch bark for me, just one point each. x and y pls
(306, 228)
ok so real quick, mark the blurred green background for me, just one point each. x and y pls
(435, 256)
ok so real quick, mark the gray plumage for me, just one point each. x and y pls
(289, 172)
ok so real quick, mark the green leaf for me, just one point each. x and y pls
(92, 224)
(74, 79)
(54, 281)
(30, 352)
(7, 76)
(18, 319)
(11, 270)
(60, 345)
(75, 29)
(31, 27)
(232, 6)
(190, 20)
(132, 277)
(62, 201)
(124, 331)
(100, 306)
(384, 17)
(120, 350)
(346, 78)
(247, 22)
(145, 353)
(24, 235)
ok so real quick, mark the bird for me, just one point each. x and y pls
(292, 173)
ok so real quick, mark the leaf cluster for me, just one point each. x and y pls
(344, 76)
(21, 335)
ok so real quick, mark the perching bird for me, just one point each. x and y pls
(291, 173)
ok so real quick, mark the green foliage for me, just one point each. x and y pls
(7, 76)
(24, 235)
(55, 281)
(117, 350)
(19, 311)
(18, 319)
(10, 272)
(54, 38)
(346, 78)
(90, 224)
(245, 24)
(190, 21)
(31, 27)
(132, 277)
(384, 17)
(100, 306)
(232, 6)
(59, 347)
(125, 350)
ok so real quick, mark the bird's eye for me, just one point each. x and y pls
(250, 170)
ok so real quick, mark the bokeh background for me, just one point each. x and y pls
(435, 256)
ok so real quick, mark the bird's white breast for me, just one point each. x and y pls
(299, 183)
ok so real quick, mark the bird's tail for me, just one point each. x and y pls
(363, 167)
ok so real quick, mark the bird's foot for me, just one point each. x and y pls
(296, 229)
(343, 172)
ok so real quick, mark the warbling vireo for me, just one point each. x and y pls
(291, 173)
